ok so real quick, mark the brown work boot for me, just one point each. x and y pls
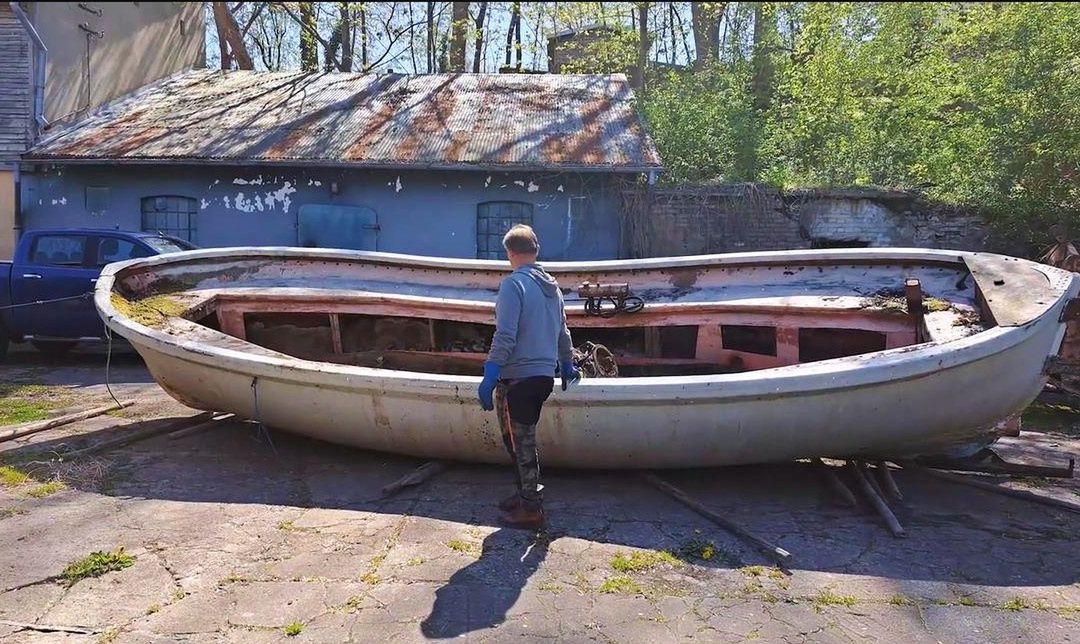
(523, 517)
(510, 502)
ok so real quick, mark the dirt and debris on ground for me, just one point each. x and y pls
(217, 536)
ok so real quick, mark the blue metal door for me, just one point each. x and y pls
(58, 269)
(351, 227)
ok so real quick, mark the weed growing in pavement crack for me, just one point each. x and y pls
(468, 547)
(96, 564)
(46, 489)
(620, 584)
(827, 597)
(293, 629)
(642, 561)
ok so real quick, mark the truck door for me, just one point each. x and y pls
(58, 267)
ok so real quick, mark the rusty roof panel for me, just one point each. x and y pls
(453, 120)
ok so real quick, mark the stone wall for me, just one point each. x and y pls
(697, 220)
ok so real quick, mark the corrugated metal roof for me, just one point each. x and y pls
(519, 121)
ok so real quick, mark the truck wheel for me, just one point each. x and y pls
(54, 348)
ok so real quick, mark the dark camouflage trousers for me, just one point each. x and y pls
(518, 405)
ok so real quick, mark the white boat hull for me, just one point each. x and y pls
(924, 399)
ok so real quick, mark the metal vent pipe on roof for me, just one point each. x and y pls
(39, 68)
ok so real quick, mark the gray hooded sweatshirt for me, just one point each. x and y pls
(531, 337)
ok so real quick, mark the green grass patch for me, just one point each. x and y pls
(20, 403)
(468, 547)
(901, 600)
(415, 561)
(640, 561)
(620, 585)
(96, 564)
(13, 477)
(827, 597)
(46, 489)
(550, 587)
(293, 629)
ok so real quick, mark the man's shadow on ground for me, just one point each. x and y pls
(470, 601)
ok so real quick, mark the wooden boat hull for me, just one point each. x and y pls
(931, 398)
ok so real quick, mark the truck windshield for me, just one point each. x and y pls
(167, 245)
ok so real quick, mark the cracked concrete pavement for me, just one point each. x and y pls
(238, 541)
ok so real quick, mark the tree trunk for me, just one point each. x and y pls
(364, 37)
(517, 36)
(643, 44)
(309, 46)
(430, 37)
(479, 50)
(764, 33)
(705, 22)
(346, 36)
(458, 26)
(229, 31)
(223, 43)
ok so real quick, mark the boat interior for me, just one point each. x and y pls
(639, 332)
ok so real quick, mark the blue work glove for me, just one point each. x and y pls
(487, 385)
(570, 375)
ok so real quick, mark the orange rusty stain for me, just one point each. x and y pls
(125, 145)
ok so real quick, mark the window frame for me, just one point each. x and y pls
(485, 250)
(189, 233)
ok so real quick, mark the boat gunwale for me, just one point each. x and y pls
(814, 377)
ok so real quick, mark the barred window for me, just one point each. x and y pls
(493, 220)
(170, 215)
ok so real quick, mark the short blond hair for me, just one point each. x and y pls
(521, 240)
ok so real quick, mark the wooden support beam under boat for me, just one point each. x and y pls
(842, 492)
(667, 488)
(862, 480)
(888, 483)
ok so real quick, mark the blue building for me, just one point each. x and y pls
(433, 165)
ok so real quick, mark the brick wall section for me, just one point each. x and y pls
(693, 221)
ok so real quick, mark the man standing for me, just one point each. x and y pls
(531, 341)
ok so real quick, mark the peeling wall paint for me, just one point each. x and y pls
(435, 216)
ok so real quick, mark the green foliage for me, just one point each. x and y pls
(293, 629)
(614, 53)
(975, 103)
(96, 565)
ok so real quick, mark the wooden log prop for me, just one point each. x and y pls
(217, 421)
(863, 481)
(842, 492)
(415, 477)
(997, 489)
(67, 419)
(888, 483)
(131, 437)
(764, 546)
